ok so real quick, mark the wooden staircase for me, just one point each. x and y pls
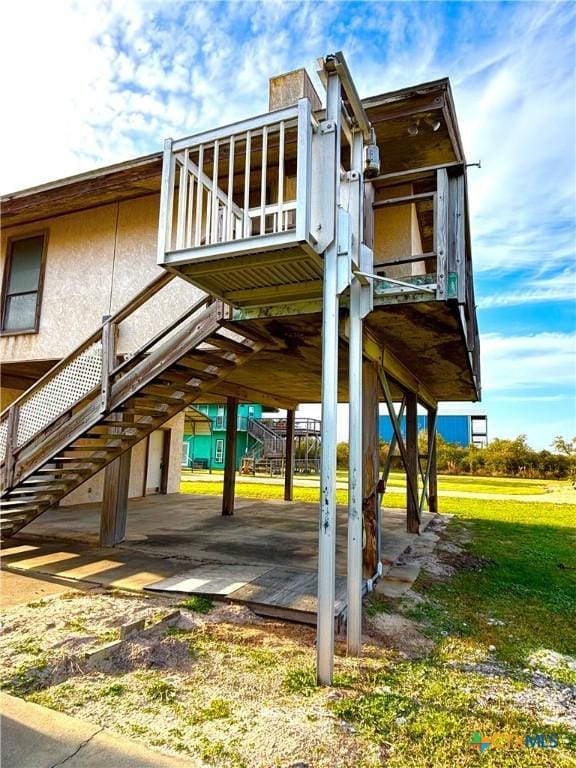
(92, 407)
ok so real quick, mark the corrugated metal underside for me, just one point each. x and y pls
(286, 274)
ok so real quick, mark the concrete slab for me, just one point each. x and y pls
(19, 589)
(182, 543)
(37, 737)
(404, 573)
(390, 588)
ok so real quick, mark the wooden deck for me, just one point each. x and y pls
(265, 556)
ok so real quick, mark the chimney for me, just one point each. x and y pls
(285, 90)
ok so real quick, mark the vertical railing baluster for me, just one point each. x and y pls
(182, 201)
(189, 212)
(208, 237)
(246, 227)
(280, 225)
(214, 238)
(263, 180)
(230, 190)
(199, 197)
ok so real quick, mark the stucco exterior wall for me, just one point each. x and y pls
(91, 490)
(96, 261)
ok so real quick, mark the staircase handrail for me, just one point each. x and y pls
(107, 336)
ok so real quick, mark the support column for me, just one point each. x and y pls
(230, 456)
(370, 461)
(354, 571)
(115, 499)
(432, 463)
(289, 469)
(412, 512)
(327, 517)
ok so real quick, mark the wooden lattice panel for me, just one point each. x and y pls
(3, 433)
(59, 394)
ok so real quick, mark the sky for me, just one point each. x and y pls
(87, 83)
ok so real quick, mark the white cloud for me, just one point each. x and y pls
(557, 287)
(528, 362)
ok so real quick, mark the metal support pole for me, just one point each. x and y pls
(355, 519)
(327, 522)
(354, 624)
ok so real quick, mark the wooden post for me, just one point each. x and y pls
(289, 471)
(433, 467)
(115, 498)
(370, 461)
(412, 521)
(230, 456)
(109, 338)
(11, 444)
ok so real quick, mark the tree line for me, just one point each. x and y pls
(503, 458)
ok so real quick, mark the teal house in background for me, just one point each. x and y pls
(204, 442)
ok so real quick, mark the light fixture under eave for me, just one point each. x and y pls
(433, 124)
(413, 129)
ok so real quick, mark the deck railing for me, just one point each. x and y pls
(246, 180)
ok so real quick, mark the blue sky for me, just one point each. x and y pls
(101, 82)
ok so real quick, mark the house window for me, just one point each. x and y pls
(23, 284)
(220, 417)
(219, 456)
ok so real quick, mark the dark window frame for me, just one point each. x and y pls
(6, 278)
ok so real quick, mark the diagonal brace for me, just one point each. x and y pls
(399, 439)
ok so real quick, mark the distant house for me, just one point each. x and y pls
(459, 429)
(204, 442)
(260, 440)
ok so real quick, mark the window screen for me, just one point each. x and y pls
(23, 284)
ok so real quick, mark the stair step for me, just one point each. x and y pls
(80, 459)
(207, 357)
(31, 491)
(18, 503)
(161, 396)
(225, 342)
(143, 410)
(55, 484)
(62, 470)
(251, 333)
(175, 378)
(123, 424)
(10, 515)
(97, 445)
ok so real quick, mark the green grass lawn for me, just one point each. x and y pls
(511, 605)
